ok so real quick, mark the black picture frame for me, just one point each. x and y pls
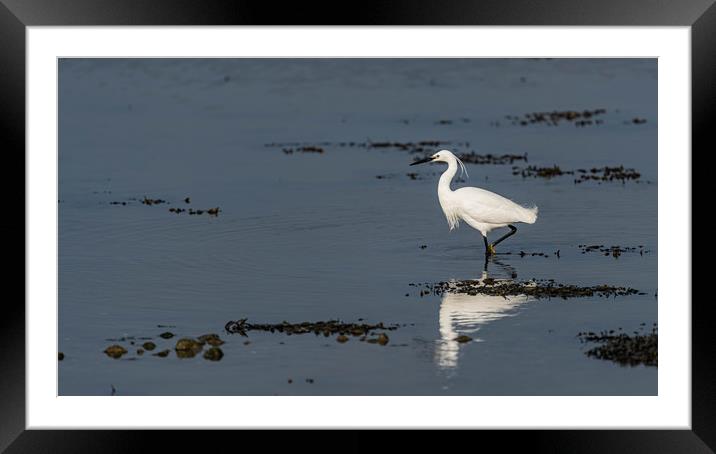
(700, 15)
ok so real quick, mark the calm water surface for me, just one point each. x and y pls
(308, 237)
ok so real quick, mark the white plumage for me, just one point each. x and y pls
(481, 209)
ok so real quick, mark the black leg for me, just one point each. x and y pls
(488, 250)
(512, 231)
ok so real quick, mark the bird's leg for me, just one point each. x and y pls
(512, 231)
(489, 249)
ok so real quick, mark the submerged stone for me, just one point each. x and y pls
(211, 339)
(187, 344)
(149, 346)
(115, 351)
(213, 354)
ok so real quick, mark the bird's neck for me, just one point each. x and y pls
(446, 179)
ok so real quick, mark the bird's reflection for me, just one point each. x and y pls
(463, 314)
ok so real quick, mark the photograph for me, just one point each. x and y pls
(357, 226)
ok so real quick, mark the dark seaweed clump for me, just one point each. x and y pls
(482, 159)
(598, 174)
(327, 328)
(540, 172)
(614, 251)
(534, 254)
(424, 146)
(410, 175)
(211, 211)
(449, 122)
(640, 348)
(554, 118)
(486, 159)
(148, 201)
(414, 176)
(304, 149)
(607, 174)
(534, 288)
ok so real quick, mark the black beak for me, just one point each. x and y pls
(422, 161)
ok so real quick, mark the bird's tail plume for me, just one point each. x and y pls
(530, 214)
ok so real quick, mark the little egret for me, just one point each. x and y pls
(481, 209)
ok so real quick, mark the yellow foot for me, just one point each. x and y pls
(491, 249)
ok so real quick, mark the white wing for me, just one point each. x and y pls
(488, 207)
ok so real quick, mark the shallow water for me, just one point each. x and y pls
(307, 237)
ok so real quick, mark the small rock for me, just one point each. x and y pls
(462, 339)
(166, 335)
(149, 346)
(60, 356)
(212, 339)
(115, 351)
(342, 339)
(187, 343)
(213, 354)
(162, 354)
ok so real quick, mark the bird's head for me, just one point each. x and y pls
(440, 156)
(444, 156)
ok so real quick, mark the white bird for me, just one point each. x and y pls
(481, 209)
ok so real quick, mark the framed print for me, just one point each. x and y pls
(356, 227)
